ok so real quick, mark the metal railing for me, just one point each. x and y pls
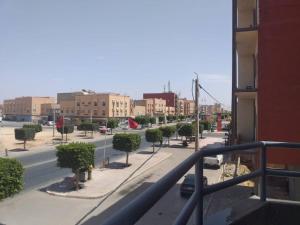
(132, 212)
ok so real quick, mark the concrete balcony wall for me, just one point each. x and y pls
(246, 13)
(246, 72)
(246, 119)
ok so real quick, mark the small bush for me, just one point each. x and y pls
(127, 143)
(206, 124)
(152, 120)
(11, 177)
(161, 119)
(36, 127)
(112, 123)
(66, 129)
(24, 134)
(143, 120)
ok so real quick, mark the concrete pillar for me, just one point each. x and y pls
(294, 185)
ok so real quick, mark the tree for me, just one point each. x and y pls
(170, 118)
(182, 117)
(153, 135)
(168, 132)
(186, 130)
(161, 119)
(66, 129)
(152, 120)
(126, 142)
(112, 123)
(77, 156)
(88, 126)
(206, 124)
(24, 134)
(201, 129)
(11, 177)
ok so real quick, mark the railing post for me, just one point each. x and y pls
(199, 190)
(263, 160)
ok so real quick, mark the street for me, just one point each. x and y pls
(45, 209)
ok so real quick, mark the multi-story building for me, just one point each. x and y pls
(180, 106)
(170, 97)
(25, 108)
(153, 106)
(67, 102)
(265, 78)
(1, 110)
(102, 105)
(171, 111)
(50, 111)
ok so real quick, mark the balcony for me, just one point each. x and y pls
(261, 211)
(248, 93)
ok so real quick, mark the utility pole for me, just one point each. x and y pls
(199, 164)
(54, 119)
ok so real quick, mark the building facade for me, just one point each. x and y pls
(102, 105)
(153, 106)
(25, 108)
(170, 98)
(265, 78)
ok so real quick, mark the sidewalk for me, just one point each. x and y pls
(107, 180)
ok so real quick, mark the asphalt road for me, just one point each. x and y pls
(41, 169)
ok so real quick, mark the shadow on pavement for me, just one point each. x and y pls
(18, 150)
(163, 212)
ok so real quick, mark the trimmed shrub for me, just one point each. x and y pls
(206, 124)
(88, 126)
(126, 142)
(24, 134)
(153, 135)
(11, 177)
(77, 156)
(168, 132)
(66, 129)
(161, 119)
(152, 120)
(112, 123)
(36, 127)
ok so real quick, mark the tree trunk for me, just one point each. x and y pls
(62, 136)
(66, 137)
(127, 158)
(85, 133)
(24, 144)
(111, 131)
(169, 141)
(153, 146)
(77, 180)
(92, 134)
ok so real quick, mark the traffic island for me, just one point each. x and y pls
(107, 180)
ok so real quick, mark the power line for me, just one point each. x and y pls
(210, 95)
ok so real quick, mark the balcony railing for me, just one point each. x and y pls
(132, 212)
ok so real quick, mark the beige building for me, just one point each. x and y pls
(102, 105)
(153, 106)
(189, 107)
(25, 108)
(67, 102)
(211, 109)
(180, 106)
(170, 111)
(1, 110)
(48, 109)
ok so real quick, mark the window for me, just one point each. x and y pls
(95, 112)
(103, 112)
(103, 103)
(95, 103)
(78, 103)
(89, 103)
(78, 112)
(82, 103)
(117, 104)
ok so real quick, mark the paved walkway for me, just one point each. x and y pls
(106, 180)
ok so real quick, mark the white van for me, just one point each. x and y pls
(213, 161)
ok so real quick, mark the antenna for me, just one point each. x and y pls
(164, 88)
(169, 86)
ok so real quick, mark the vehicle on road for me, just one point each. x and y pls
(213, 161)
(187, 187)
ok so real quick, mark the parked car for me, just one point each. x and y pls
(187, 187)
(50, 123)
(213, 161)
(104, 129)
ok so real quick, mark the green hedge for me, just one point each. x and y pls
(168, 131)
(11, 177)
(77, 156)
(36, 127)
(88, 126)
(206, 124)
(186, 130)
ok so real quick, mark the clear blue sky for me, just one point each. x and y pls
(130, 47)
